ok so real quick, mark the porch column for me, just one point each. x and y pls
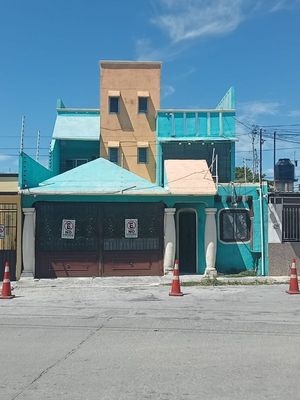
(210, 242)
(28, 241)
(170, 239)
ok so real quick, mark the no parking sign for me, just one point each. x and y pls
(2, 231)
(131, 228)
(68, 229)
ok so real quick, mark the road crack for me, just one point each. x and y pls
(64, 358)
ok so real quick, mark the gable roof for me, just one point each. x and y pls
(99, 176)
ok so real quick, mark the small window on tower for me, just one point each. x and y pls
(113, 153)
(143, 105)
(142, 155)
(113, 105)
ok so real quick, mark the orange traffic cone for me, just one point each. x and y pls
(6, 289)
(294, 288)
(175, 290)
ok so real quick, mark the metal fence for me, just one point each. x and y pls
(291, 223)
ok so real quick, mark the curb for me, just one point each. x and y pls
(119, 282)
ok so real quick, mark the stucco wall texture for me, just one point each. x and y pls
(280, 257)
(128, 127)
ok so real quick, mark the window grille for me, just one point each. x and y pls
(235, 225)
(291, 223)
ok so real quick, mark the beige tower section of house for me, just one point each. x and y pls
(130, 85)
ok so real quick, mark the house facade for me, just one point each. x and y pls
(284, 230)
(163, 187)
(10, 225)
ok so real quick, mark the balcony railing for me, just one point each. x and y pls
(202, 124)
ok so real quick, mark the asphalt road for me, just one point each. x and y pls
(86, 341)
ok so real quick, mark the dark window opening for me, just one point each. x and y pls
(235, 225)
(291, 223)
(114, 105)
(143, 105)
(114, 155)
(142, 155)
(73, 163)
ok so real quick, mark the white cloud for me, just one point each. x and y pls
(167, 90)
(252, 109)
(5, 157)
(146, 51)
(184, 21)
(197, 18)
(279, 5)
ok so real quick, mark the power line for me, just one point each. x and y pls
(275, 126)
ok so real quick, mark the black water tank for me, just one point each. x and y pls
(284, 170)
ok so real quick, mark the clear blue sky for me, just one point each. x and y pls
(51, 49)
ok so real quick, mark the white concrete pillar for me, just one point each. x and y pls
(28, 241)
(210, 242)
(170, 239)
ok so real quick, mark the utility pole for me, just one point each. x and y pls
(22, 134)
(274, 160)
(261, 204)
(38, 146)
(256, 162)
(261, 142)
(245, 168)
(253, 137)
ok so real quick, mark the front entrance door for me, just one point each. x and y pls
(187, 241)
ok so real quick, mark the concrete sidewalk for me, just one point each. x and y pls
(117, 282)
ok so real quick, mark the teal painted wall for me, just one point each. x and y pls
(54, 157)
(63, 150)
(77, 149)
(199, 150)
(188, 124)
(232, 158)
(31, 173)
(230, 258)
(228, 122)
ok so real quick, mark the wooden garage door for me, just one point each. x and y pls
(60, 256)
(99, 246)
(140, 255)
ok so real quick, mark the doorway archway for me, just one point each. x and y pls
(187, 240)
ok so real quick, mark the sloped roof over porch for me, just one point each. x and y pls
(189, 177)
(99, 176)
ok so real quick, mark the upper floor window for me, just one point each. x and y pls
(113, 154)
(234, 225)
(113, 104)
(73, 163)
(143, 105)
(142, 155)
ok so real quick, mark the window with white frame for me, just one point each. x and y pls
(235, 225)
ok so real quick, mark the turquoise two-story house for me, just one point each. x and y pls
(87, 215)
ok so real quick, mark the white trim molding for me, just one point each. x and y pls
(28, 242)
(210, 242)
(170, 239)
